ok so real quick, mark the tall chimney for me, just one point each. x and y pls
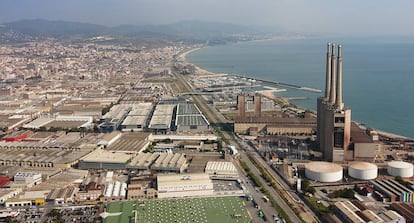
(339, 104)
(257, 105)
(332, 95)
(328, 73)
(241, 106)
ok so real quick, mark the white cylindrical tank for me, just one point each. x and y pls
(363, 170)
(323, 171)
(400, 169)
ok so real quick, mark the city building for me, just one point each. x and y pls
(334, 119)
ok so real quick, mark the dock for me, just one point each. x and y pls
(281, 84)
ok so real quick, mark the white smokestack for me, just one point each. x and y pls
(328, 73)
(332, 95)
(339, 103)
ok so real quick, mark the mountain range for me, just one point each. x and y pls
(182, 31)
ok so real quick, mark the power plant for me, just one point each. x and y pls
(334, 120)
(241, 104)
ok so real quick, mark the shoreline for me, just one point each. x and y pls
(201, 71)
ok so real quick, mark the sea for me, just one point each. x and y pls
(378, 74)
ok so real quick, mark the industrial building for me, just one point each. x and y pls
(190, 119)
(221, 169)
(143, 161)
(184, 185)
(28, 179)
(112, 120)
(390, 190)
(103, 159)
(353, 212)
(61, 121)
(36, 154)
(162, 118)
(275, 125)
(323, 171)
(170, 162)
(406, 210)
(333, 120)
(137, 119)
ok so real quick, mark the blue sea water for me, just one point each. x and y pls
(378, 74)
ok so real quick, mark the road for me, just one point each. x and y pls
(216, 118)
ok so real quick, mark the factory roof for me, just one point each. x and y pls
(183, 179)
(134, 141)
(191, 120)
(100, 155)
(135, 120)
(144, 160)
(161, 119)
(359, 135)
(187, 109)
(220, 166)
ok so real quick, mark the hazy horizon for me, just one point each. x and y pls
(318, 17)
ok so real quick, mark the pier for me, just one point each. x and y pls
(281, 84)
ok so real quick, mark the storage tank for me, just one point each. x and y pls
(363, 170)
(323, 171)
(400, 169)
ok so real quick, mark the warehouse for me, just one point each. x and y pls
(221, 169)
(137, 118)
(162, 118)
(184, 185)
(170, 162)
(143, 161)
(112, 120)
(102, 159)
(190, 119)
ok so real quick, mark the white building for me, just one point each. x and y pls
(28, 178)
(221, 169)
(184, 185)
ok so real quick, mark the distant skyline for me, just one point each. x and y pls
(317, 17)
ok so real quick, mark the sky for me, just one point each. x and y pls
(320, 17)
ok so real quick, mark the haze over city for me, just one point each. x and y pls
(319, 17)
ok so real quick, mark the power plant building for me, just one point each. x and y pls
(334, 120)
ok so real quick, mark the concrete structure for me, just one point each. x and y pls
(241, 106)
(334, 120)
(363, 170)
(221, 169)
(184, 185)
(400, 169)
(323, 171)
(257, 105)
